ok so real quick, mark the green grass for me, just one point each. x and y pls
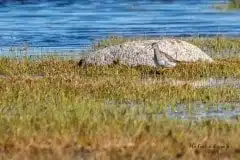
(66, 113)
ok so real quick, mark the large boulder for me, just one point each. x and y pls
(140, 52)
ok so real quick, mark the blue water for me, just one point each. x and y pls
(70, 25)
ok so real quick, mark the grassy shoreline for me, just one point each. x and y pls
(63, 114)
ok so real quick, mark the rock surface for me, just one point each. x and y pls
(140, 52)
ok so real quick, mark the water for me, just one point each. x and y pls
(196, 111)
(203, 83)
(72, 25)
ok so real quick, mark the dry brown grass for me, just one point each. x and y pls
(155, 140)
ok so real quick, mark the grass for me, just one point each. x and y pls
(232, 4)
(74, 112)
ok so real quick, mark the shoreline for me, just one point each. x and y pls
(111, 40)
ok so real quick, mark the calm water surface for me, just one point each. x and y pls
(72, 25)
(193, 111)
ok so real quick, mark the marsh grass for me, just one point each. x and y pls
(54, 109)
(234, 4)
(63, 114)
(230, 5)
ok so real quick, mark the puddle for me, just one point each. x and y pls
(221, 82)
(202, 112)
(209, 82)
(191, 112)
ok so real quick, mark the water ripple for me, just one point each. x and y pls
(75, 24)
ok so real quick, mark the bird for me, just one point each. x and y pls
(163, 59)
(82, 63)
